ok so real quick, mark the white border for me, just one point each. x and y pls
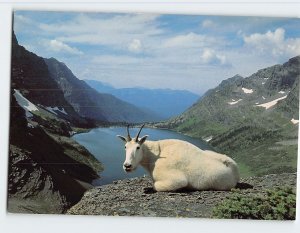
(59, 223)
(263, 8)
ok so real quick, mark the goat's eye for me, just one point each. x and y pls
(138, 147)
(125, 147)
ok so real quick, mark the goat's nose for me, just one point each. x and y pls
(127, 165)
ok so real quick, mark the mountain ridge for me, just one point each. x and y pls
(31, 77)
(253, 119)
(90, 103)
(159, 101)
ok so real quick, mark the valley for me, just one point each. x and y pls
(158, 101)
(250, 119)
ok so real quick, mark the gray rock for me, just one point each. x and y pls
(135, 197)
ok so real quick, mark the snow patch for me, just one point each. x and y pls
(25, 103)
(51, 110)
(263, 97)
(207, 139)
(263, 83)
(30, 125)
(55, 109)
(234, 101)
(294, 121)
(247, 91)
(28, 114)
(271, 103)
(281, 92)
(72, 133)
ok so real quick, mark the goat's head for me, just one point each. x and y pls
(134, 152)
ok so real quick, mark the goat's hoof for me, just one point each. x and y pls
(149, 190)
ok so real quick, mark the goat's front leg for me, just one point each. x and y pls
(171, 184)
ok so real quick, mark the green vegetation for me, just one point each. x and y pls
(276, 204)
(245, 171)
(260, 150)
(257, 143)
(78, 130)
(191, 128)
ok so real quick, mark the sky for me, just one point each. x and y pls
(186, 52)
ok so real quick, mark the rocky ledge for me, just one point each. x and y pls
(135, 197)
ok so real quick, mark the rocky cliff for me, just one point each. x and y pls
(135, 197)
(48, 172)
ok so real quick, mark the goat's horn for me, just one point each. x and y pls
(137, 136)
(128, 134)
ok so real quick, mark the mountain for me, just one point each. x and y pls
(47, 172)
(92, 104)
(253, 119)
(30, 76)
(165, 103)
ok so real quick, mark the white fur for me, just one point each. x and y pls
(175, 164)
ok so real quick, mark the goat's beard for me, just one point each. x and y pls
(128, 170)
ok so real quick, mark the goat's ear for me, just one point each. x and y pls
(122, 138)
(143, 139)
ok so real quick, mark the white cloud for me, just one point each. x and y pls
(23, 24)
(21, 19)
(58, 46)
(125, 23)
(115, 60)
(208, 24)
(273, 43)
(258, 39)
(135, 46)
(209, 56)
(148, 50)
(117, 31)
(187, 40)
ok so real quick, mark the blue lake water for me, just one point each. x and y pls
(109, 150)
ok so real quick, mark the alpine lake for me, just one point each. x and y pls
(110, 151)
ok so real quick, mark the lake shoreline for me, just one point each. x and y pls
(138, 125)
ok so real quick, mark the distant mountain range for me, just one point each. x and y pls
(164, 103)
(254, 119)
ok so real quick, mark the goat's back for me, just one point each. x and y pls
(203, 168)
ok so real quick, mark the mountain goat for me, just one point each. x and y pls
(175, 164)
